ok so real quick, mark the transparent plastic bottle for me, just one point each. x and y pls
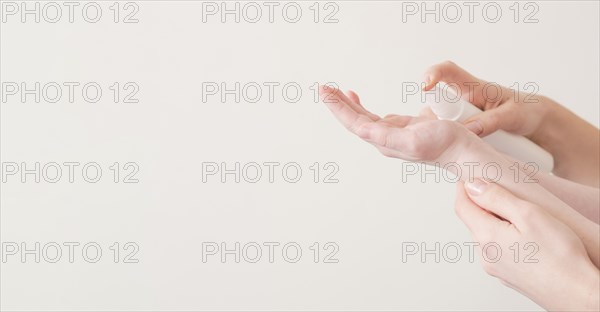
(516, 146)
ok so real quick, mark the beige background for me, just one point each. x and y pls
(170, 133)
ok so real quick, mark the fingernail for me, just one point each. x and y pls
(477, 187)
(475, 127)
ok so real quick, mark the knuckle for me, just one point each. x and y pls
(492, 123)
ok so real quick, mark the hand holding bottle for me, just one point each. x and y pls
(576, 148)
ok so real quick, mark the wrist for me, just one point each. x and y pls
(475, 155)
(553, 134)
(548, 133)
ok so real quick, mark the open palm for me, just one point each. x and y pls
(413, 138)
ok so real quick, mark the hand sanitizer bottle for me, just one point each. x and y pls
(516, 146)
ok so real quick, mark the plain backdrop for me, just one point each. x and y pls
(171, 132)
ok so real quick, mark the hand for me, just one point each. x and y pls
(422, 138)
(503, 108)
(438, 142)
(574, 143)
(563, 278)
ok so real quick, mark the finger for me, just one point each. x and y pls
(476, 219)
(353, 104)
(487, 122)
(396, 120)
(447, 72)
(385, 135)
(468, 86)
(342, 110)
(354, 97)
(406, 143)
(498, 200)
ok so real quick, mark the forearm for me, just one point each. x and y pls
(574, 143)
(584, 199)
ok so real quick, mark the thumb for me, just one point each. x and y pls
(489, 121)
(498, 200)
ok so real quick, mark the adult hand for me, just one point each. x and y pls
(559, 276)
(440, 143)
(503, 108)
(420, 138)
(574, 143)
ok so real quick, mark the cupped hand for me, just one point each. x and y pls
(420, 138)
(528, 249)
